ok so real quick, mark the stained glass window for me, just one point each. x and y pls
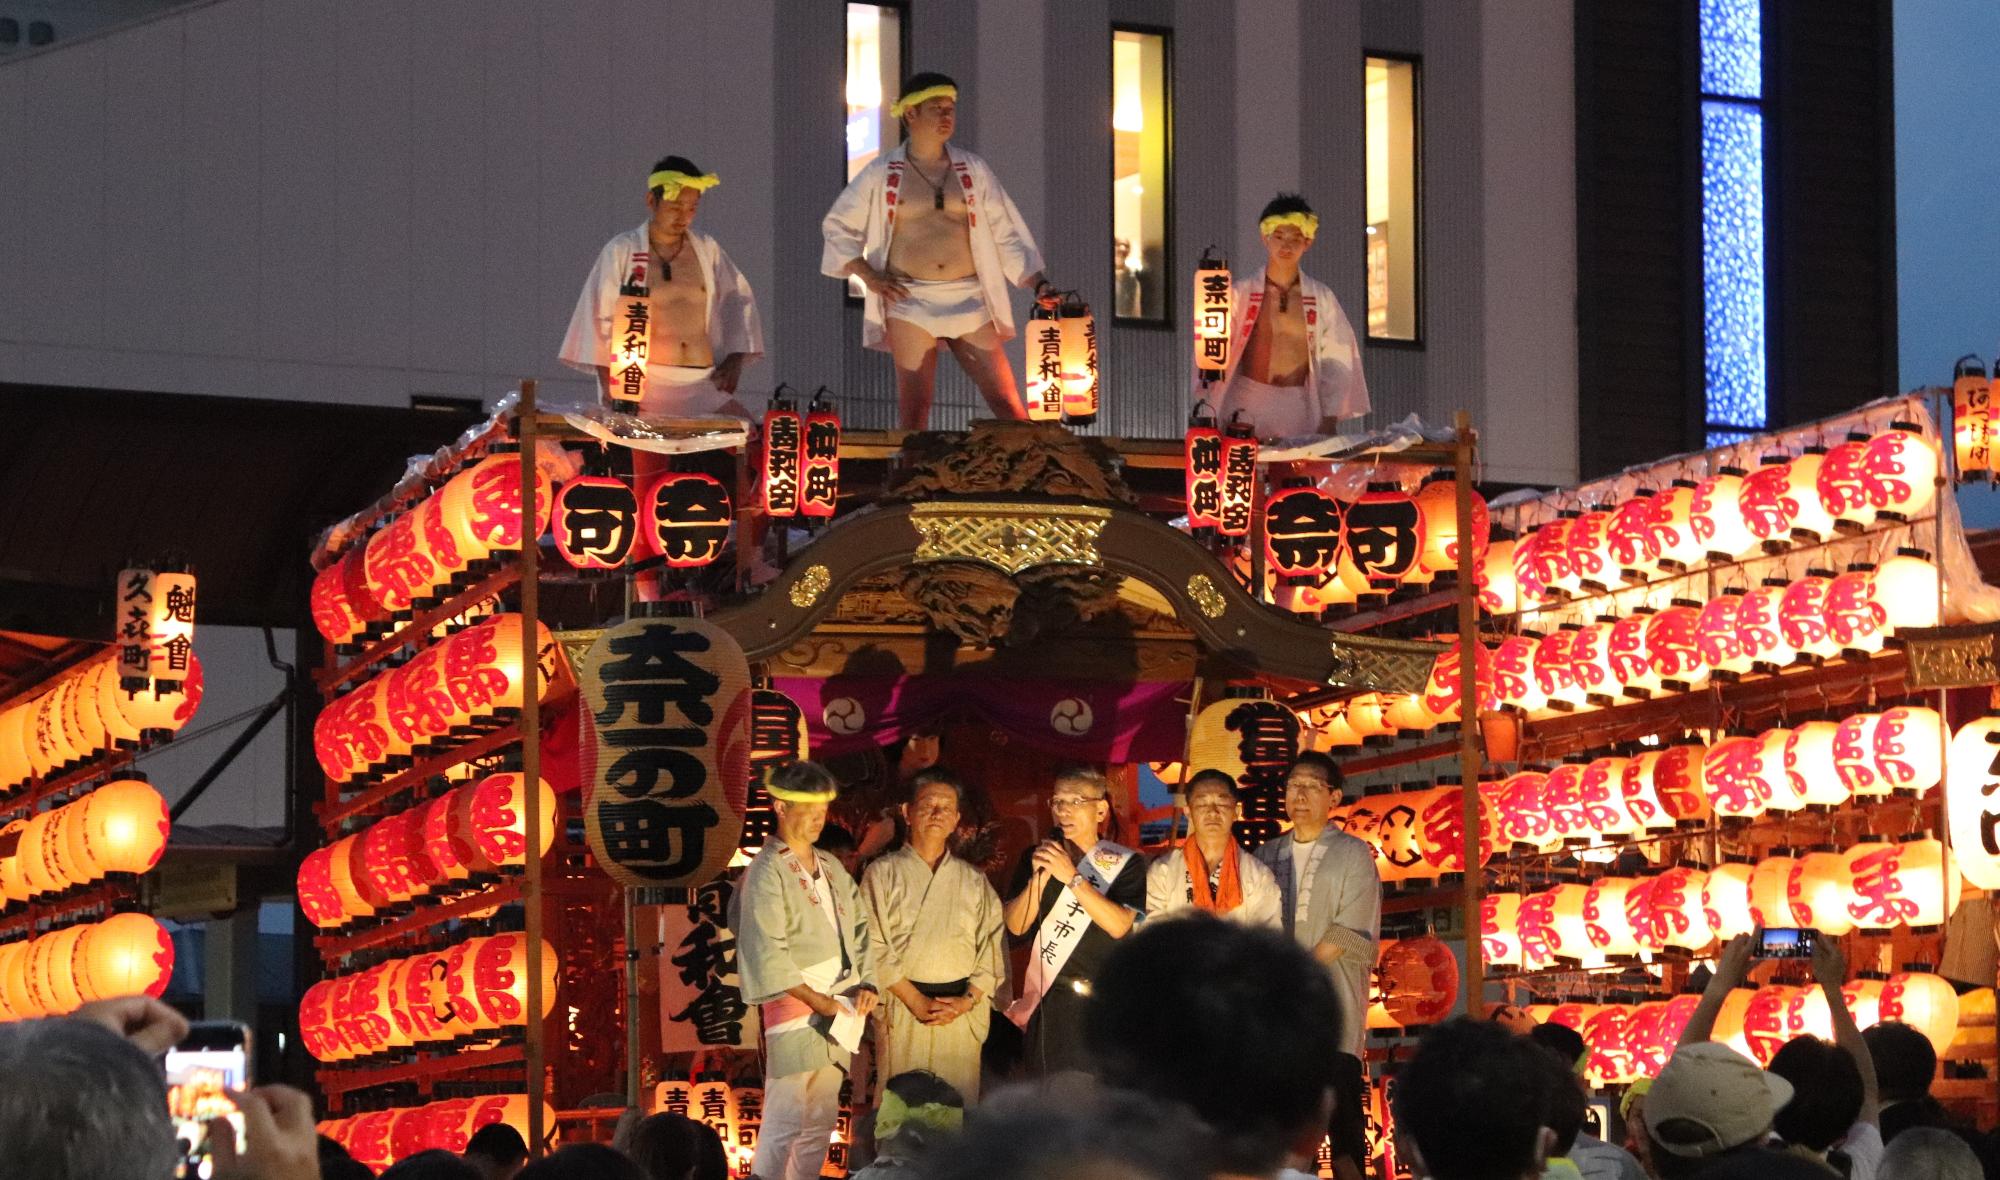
(1735, 335)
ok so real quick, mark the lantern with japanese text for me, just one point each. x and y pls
(1568, 938)
(1767, 503)
(1603, 793)
(687, 518)
(483, 668)
(1773, 770)
(1590, 663)
(133, 613)
(316, 1022)
(1238, 498)
(493, 977)
(133, 714)
(315, 889)
(1523, 821)
(1640, 794)
(1678, 779)
(1716, 512)
(1672, 648)
(1562, 801)
(1437, 503)
(410, 1132)
(1819, 888)
(1678, 897)
(1535, 925)
(52, 969)
(1419, 980)
(1809, 764)
(1398, 850)
(400, 573)
(341, 866)
(1406, 711)
(1079, 363)
(1909, 749)
(1923, 1001)
(1302, 533)
(386, 857)
(1680, 547)
(1554, 674)
(1443, 695)
(1044, 350)
(1731, 771)
(1899, 471)
(1972, 429)
(1854, 755)
(1541, 562)
(1718, 638)
(120, 827)
(1214, 294)
(1202, 466)
(819, 494)
(1765, 1028)
(337, 614)
(1499, 936)
(1588, 540)
(1802, 617)
(441, 546)
(1514, 675)
(597, 520)
(1366, 715)
(14, 989)
(490, 821)
(1972, 800)
(1854, 619)
(1630, 661)
(1649, 936)
(1842, 494)
(1725, 899)
(1441, 827)
(1497, 592)
(1770, 890)
(481, 506)
(1606, 1031)
(36, 870)
(1906, 588)
(1811, 520)
(445, 846)
(1635, 544)
(1605, 921)
(784, 455)
(1384, 534)
(1900, 884)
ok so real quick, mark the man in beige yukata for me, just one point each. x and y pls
(937, 921)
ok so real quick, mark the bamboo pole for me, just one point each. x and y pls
(531, 769)
(1468, 709)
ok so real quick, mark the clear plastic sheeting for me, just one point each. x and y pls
(1400, 436)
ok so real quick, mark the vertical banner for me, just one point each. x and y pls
(700, 1006)
(631, 332)
(666, 750)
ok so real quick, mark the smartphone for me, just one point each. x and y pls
(1786, 942)
(201, 1072)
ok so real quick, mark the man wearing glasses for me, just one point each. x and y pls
(1331, 902)
(938, 925)
(1209, 871)
(1078, 893)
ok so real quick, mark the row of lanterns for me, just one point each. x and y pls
(1804, 499)
(1875, 885)
(123, 955)
(736, 1114)
(379, 1138)
(445, 691)
(88, 711)
(683, 518)
(478, 986)
(473, 830)
(801, 466)
(120, 827)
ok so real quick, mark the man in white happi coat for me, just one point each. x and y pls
(704, 327)
(1074, 896)
(1209, 871)
(937, 921)
(1331, 903)
(805, 954)
(1294, 364)
(930, 233)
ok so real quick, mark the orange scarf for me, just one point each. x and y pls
(1229, 887)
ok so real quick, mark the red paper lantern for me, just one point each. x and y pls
(1541, 562)
(1854, 755)
(1419, 980)
(490, 817)
(1732, 771)
(1842, 493)
(1634, 536)
(1498, 594)
(1202, 463)
(1909, 749)
(1726, 899)
(1591, 561)
(1437, 503)
(316, 1023)
(1678, 778)
(1514, 680)
(784, 438)
(1536, 926)
(1605, 921)
(1811, 520)
(1766, 501)
(1972, 419)
(422, 1004)
(482, 665)
(1605, 1031)
(1239, 481)
(386, 859)
(820, 495)
(337, 616)
(1773, 770)
(400, 573)
(1678, 907)
(410, 1132)
(597, 521)
(448, 852)
(481, 506)
(1680, 548)
(1631, 662)
(1384, 534)
(1302, 532)
(1899, 472)
(317, 898)
(1923, 1001)
(687, 518)
(1443, 692)
(1765, 1026)
(1672, 648)
(1716, 511)
(1802, 617)
(1717, 636)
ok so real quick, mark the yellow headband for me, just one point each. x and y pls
(671, 183)
(918, 98)
(1308, 223)
(1633, 1094)
(791, 796)
(935, 1116)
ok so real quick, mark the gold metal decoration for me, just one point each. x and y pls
(1009, 537)
(575, 645)
(1953, 657)
(1384, 665)
(810, 586)
(1206, 597)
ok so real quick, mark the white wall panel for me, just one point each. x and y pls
(297, 311)
(446, 290)
(214, 297)
(372, 169)
(63, 240)
(145, 162)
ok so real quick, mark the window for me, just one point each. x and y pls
(1734, 334)
(1141, 138)
(1391, 90)
(874, 76)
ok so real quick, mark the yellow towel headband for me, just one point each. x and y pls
(918, 98)
(671, 183)
(1308, 223)
(790, 796)
(891, 1116)
(1633, 1094)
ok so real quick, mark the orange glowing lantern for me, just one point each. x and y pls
(1568, 938)
(482, 665)
(1728, 1028)
(1819, 888)
(52, 969)
(1365, 715)
(1678, 907)
(1765, 1025)
(481, 506)
(1899, 471)
(1854, 618)
(1044, 341)
(1536, 927)
(1909, 749)
(14, 980)
(1863, 997)
(316, 1022)
(1499, 936)
(1679, 777)
(121, 827)
(1522, 818)
(1641, 796)
(386, 859)
(1541, 562)
(1725, 900)
(1437, 504)
(1923, 1001)
(1079, 363)
(1648, 927)
(1419, 979)
(1630, 661)
(1906, 589)
(1514, 675)
(1238, 499)
(1767, 503)
(14, 766)
(341, 865)
(687, 518)
(440, 546)
(13, 870)
(1384, 535)
(1562, 801)
(1716, 512)
(400, 573)
(1906, 883)
(125, 955)
(1854, 755)
(1605, 921)
(1802, 617)
(1809, 763)
(1773, 770)
(1588, 543)
(1812, 521)
(1634, 543)
(1673, 525)
(1607, 1032)
(368, 1139)
(157, 709)
(491, 818)
(493, 976)
(1554, 673)
(1406, 711)
(335, 613)
(1302, 533)
(35, 867)
(1603, 795)
(1590, 663)
(1672, 647)
(784, 436)
(1202, 463)
(1498, 594)
(1718, 637)
(1807, 1014)
(1443, 692)
(410, 1132)
(1972, 802)
(1770, 891)
(1972, 419)
(423, 1000)
(596, 518)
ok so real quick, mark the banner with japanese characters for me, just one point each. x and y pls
(700, 1006)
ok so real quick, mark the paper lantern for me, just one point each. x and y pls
(316, 1021)
(1043, 338)
(56, 849)
(1442, 695)
(1972, 801)
(596, 517)
(1238, 496)
(52, 969)
(399, 572)
(1854, 755)
(1843, 491)
(1679, 779)
(410, 1132)
(1680, 548)
(1523, 820)
(423, 1005)
(386, 857)
(1568, 937)
(1079, 363)
(1536, 926)
(1906, 883)
(1819, 888)
(1437, 504)
(489, 980)
(1672, 649)
(1606, 1032)
(1807, 1014)
(1630, 661)
(15, 990)
(1640, 794)
(1498, 594)
(1854, 619)
(1302, 532)
(1635, 543)
(120, 827)
(1906, 589)
(483, 669)
(1772, 770)
(1909, 749)
(1767, 503)
(1605, 921)
(1972, 431)
(1419, 980)
(1718, 638)
(13, 870)
(1765, 1028)
(490, 818)
(14, 766)
(687, 518)
(1562, 800)
(1812, 521)
(1602, 793)
(1213, 297)
(1770, 891)
(1441, 826)
(1802, 617)
(1202, 465)
(1647, 928)
(446, 848)
(440, 545)
(1716, 512)
(124, 955)
(1809, 764)
(368, 1139)
(1733, 777)
(1899, 472)
(1499, 936)
(161, 708)
(784, 437)
(1728, 1028)
(511, 1109)
(1514, 679)
(36, 868)
(1590, 664)
(1591, 561)
(341, 866)
(820, 497)
(1554, 674)
(1725, 900)
(1398, 846)
(1367, 716)
(336, 614)
(1406, 711)
(1541, 562)
(1678, 908)
(1923, 1001)
(1385, 534)
(1863, 998)
(483, 512)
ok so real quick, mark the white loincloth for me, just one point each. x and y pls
(947, 309)
(1273, 411)
(682, 391)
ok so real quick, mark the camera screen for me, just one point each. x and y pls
(198, 1085)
